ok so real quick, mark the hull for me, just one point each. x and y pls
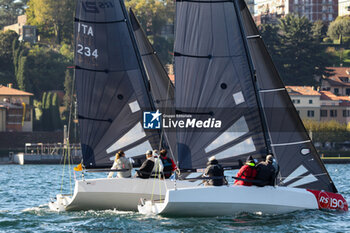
(116, 193)
(228, 200)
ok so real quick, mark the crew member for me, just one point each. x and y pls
(266, 172)
(168, 164)
(121, 163)
(146, 168)
(247, 172)
(215, 171)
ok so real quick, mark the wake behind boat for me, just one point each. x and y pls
(219, 48)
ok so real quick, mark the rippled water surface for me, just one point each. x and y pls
(26, 190)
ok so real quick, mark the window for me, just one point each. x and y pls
(330, 17)
(323, 113)
(310, 113)
(310, 101)
(346, 113)
(296, 101)
(336, 91)
(333, 113)
(298, 112)
(347, 92)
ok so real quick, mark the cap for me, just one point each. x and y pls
(149, 152)
(250, 161)
(212, 158)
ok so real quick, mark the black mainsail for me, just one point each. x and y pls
(112, 87)
(300, 165)
(213, 80)
(219, 54)
(162, 88)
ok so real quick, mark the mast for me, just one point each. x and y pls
(255, 84)
(139, 60)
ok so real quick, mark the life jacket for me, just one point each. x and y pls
(246, 172)
(167, 166)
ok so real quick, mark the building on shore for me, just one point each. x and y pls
(337, 82)
(25, 31)
(321, 105)
(16, 111)
(343, 7)
(269, 11)
(306, 100)
(334, 107)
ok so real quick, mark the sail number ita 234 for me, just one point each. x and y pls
(86, 30)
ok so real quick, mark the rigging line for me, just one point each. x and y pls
(291, 143)
(93, 22)
(68, 134)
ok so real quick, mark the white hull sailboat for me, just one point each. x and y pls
(219, 49)
(115, 193)
(229, 200)
(112, 83)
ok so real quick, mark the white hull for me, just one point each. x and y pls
(229, 200)
(114, 193)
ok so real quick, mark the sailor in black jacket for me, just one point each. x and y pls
(266, 172)
(215, 171)
(146, 168)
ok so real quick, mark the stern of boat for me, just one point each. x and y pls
(60, 203)
(151, 207)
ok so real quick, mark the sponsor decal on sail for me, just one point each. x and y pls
(155, 120)
(332, 201)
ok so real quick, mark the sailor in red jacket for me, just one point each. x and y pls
(247, 172)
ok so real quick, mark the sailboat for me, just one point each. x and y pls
(115, 85)
(222, 68)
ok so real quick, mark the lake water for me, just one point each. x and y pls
(26, 190)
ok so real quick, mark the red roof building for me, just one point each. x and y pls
(16, 111)
(337, 81)
(334, 107)
(306, 100)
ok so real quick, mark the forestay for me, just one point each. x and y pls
(112, 88)
(213, 80)
(300, 165)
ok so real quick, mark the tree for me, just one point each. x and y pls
(6, 56)
(154, 16)
(269, 33)
(55, 113)
(9, 10)
(53, 18)
(339, 28)
(319, 30)
(43, 69)
(301, 56)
